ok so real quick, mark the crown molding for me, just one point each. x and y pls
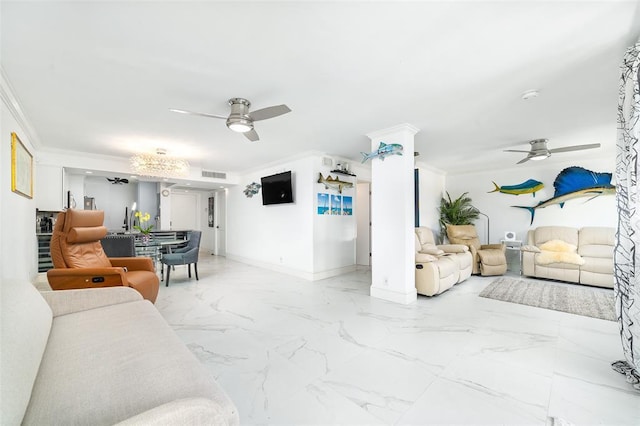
(9, 98)
(400, 128)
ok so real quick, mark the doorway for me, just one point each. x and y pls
(363, 221)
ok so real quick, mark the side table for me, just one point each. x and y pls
(513, 246)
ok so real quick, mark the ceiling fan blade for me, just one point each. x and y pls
(575, 148)
(203, 114)
(515, 150)
(252, 135)
(269, 112)
(524, 160)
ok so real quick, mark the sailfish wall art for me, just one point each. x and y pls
(575, 182)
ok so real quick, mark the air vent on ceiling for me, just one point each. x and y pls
(216, 175)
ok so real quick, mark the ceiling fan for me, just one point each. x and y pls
(539, 150)
(118, 181)
(240, 119)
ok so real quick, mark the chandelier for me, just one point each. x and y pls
(159, 164)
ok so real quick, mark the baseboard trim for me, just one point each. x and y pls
(333, 272)
(394, 296)
(309, 276)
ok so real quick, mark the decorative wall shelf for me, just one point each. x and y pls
(342, 172)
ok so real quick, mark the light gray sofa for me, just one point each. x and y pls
(594, 247)
(99, 357)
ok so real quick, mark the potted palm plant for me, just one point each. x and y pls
(456, 212)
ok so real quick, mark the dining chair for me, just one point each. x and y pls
(184, 256)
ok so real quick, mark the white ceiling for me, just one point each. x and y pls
(99, 77)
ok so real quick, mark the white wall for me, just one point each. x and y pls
(75, 184)
(165, 207)
(334, 237)
(579, 212)
(111, 198)
(48, 189)
(18, 245)
(147, 197)
(432, 184)
(291, 238)
(275, 236)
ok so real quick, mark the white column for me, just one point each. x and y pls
(392, 221)
(165, 206)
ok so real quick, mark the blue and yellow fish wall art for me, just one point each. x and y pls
(575, 182)
(531, 186)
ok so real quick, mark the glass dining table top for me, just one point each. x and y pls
(160, 243)
(152, 248)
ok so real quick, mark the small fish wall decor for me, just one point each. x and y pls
(336, 183)
(531, 186)
(252, 189)
(575, 182)
(383, 150)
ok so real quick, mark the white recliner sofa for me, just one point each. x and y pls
(439, 267)
(99, 356)
(575, 255)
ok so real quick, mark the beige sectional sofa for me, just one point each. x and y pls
(439, 267)
(99, 356)
(586, 257)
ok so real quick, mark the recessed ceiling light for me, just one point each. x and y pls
(221, 186)
(530, 94)
(188, 184)
(88, 172)
(165, 179)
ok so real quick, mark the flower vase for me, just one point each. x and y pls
(146, 238)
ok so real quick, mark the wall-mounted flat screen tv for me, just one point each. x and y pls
(277, 189)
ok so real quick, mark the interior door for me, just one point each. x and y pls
(184, 211)
(220, 223)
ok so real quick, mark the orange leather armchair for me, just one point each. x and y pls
(80, 262)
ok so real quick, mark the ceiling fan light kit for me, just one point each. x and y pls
(539, 157)
(239, 126)
(240, 120)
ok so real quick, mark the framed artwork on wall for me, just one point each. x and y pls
(336, 202)
(347, 205)
(323, 203)
(21, 168)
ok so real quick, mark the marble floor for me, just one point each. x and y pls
(293, 352)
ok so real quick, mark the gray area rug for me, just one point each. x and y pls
(572, 298)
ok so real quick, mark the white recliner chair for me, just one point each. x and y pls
(437, 270)
(459, 253)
